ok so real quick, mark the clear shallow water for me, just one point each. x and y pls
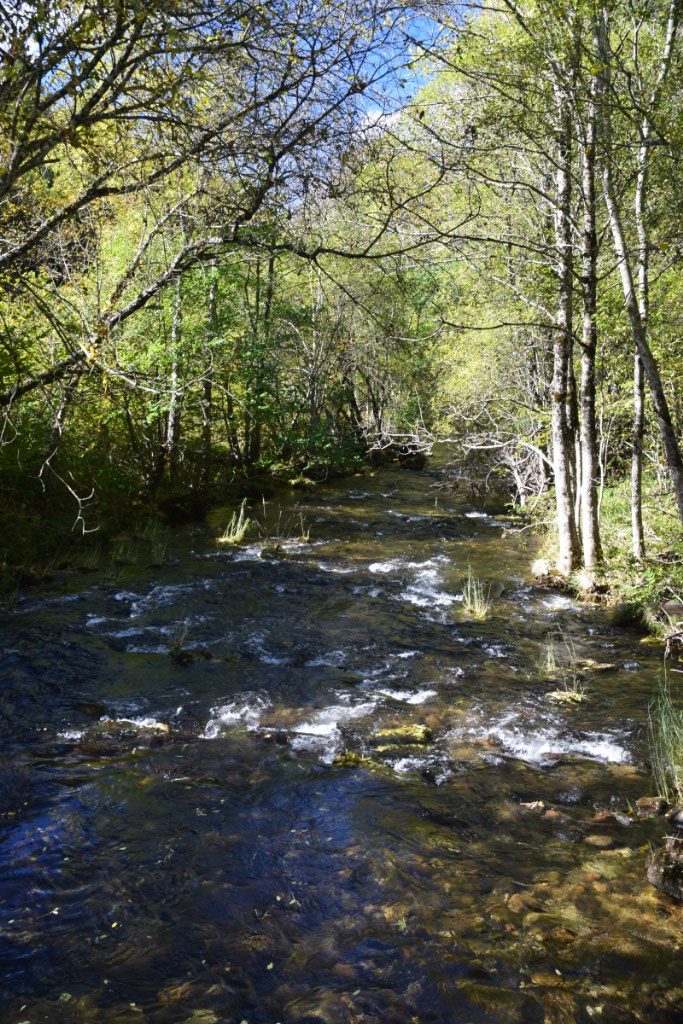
(248, 837)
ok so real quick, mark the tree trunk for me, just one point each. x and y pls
(590, 527)
(637, 529)
(563, 448)
(637, 461)
(207, 381)
(172, 415)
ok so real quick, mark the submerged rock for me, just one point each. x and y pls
(182, 656)
(128, 727)
(111, 734)
(412, 460)
(600, 841)
(273, 550)
(589, 665)
(665, 868)
(353, 759)
(650, 806)
(676, 817)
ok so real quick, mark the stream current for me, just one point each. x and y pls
(348, 802)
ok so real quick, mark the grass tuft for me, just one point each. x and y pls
(572, 692)
(239, 527)
(665, 728)
(476, 597)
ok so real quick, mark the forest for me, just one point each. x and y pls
(224, 256)
(369, 312)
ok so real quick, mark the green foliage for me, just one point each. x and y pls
(638, 589)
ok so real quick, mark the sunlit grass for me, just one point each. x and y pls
(476, 597)
(560, 662)
(665, 728)
(573, 692)
(240, 527)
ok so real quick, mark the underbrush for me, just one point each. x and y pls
(123, 520)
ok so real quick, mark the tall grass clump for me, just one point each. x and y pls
(476, 597)
(665, 728)
(559, 656)
(239, 527)
(572, 692)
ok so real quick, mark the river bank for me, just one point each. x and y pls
(645, 594)
(122, 525)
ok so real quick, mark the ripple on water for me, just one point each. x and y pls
(159, 596)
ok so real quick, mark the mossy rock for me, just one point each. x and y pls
(352, 759)
(665, 868)
(273, 550)
(504, 1005)
(402, 734)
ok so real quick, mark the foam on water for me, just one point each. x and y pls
(247, 553)
(246, 711)
(558, 602)
(409, 696)
(538, 744)
(425, 591)
(321, 734)
(333, 659)
(95, 620)
(385, 567)
(418, 763)
(496, 651)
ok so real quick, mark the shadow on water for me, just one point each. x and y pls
(350, 802)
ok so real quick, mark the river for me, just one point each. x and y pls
(348, 801)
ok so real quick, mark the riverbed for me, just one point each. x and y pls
(346, 799)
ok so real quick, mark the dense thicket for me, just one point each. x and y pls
(239, 238)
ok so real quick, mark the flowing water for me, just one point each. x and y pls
(346, 801)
